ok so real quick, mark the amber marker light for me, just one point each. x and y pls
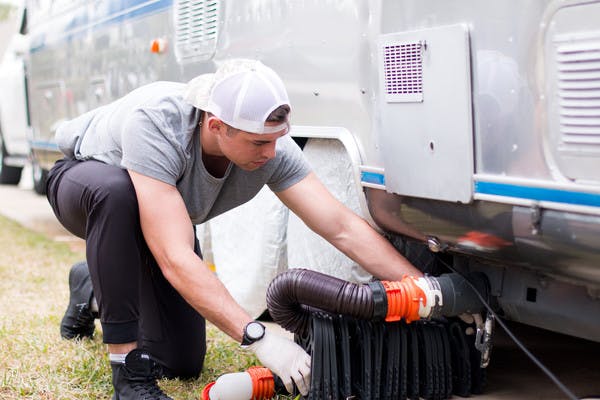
(158, 46)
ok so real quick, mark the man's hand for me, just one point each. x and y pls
(285, 359)
(472, 319)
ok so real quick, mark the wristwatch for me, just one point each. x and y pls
(253, 332)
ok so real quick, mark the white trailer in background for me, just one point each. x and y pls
(468, 131)
(14, 118)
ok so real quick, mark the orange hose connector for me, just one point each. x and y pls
(261, 378)
(263, 384)
(403, 299)
(206, 391)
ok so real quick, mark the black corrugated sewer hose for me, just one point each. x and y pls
(295, 295)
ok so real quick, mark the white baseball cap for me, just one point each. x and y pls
(242, 93)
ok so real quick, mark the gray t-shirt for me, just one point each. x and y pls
(154, 131)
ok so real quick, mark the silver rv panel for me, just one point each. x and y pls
(477, 135)
(426, 139)
(572, 60)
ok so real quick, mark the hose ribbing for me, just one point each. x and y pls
(297, 293)
(293, 295)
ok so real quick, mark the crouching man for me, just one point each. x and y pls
(139, 173)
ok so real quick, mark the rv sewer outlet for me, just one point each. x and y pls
(359, 359)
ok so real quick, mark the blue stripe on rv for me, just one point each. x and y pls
(43, 145)
(372, 177)
(107, 13)
(538, 193)
(515, 191)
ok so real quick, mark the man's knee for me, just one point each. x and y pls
(183, 353)
(184, 366)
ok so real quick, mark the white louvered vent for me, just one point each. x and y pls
(403, 72)
(578, 64)
(196, 29)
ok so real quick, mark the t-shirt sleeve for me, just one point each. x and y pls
(292, 167)
(151, 151)
(69, 134)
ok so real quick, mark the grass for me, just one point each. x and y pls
(35, 362)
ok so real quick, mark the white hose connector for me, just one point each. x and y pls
(433, 296)
(256, 383)
(235, 386)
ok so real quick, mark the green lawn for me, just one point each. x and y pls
(34, 361)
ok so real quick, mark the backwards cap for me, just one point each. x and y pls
(242, 93)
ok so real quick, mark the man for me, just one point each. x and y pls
(140, 172)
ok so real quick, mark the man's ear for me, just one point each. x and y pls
(216, 126)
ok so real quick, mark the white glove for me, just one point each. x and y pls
(285, 359)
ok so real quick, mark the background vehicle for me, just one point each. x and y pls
(468, 132)
(14, 118)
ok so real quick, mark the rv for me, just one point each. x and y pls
(466, 131)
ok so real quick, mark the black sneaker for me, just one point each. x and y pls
(78, 321)
(136, 378)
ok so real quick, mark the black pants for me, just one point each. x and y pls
(97, 202)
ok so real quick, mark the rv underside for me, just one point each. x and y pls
(519, 293)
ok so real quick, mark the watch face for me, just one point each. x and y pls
(254, 330)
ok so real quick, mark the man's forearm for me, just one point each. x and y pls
(201, 288)
(372, 251)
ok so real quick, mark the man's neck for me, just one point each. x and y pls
(214, 162)
(215, 165)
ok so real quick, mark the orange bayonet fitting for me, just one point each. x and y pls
(256, 383)
(404, 299)
(206, 391)
(263, 384)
